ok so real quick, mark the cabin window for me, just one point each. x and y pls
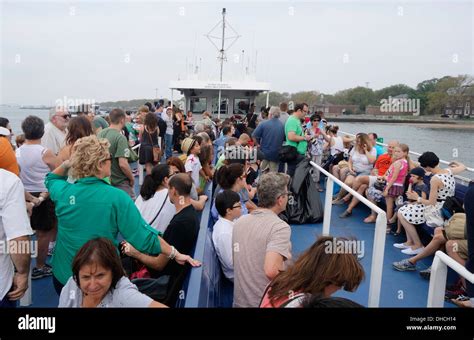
(198, 104)
(224, 105)
(241, 106)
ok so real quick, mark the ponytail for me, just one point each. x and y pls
(154, 180)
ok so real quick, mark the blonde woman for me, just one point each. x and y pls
(91, 208)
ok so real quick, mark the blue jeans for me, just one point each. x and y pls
(168, 146)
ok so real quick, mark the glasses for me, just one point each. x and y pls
(66, 116)
(107, 159)
(285, 194)
(237, 206)
(174, 173)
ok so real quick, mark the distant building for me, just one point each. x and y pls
(463, 105)
(334, 109)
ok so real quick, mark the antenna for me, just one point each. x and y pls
(222, 49)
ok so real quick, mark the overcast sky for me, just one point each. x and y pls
(111, 51)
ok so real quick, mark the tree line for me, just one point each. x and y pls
(432, 93)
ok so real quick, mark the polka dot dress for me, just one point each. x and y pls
(415, 213)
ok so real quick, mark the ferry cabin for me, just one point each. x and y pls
(234, 97)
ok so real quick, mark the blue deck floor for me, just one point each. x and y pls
(399, 289)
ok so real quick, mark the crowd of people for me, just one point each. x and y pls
(118, 243)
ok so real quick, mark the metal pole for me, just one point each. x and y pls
(219, 106)
(222, 46)
(268, 96)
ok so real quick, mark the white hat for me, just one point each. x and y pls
(4, 131)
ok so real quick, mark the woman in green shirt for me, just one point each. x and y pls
(91, 208)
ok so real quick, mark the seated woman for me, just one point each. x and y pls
(361, 160)
(154, 203)
(319, 271)
(98, 280)
(91, 208)
(442, 186)
(231, 177)
(182, 231)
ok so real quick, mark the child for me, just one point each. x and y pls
(417, 185)
(229, 208)
(19, 140)
(395, 177)
(191, 147)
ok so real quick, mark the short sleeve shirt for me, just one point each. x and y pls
(294, 124)
(118, 149)
(193, 165)
(253, 236)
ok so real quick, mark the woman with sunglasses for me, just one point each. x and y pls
(91, 208)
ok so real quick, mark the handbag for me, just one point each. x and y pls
(451, 206)
(287, 154)
(156, 150)
(433, 216)
(157, 288)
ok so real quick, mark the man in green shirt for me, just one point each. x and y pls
(122, 176)
(294, 135)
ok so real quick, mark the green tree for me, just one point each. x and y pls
(393, 91)
(422, 91)
(449, 91)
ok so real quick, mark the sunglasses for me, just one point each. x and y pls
(237, 206)
(65, 116)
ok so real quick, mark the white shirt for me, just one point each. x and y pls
(222, 239)
(33, 169)
(169, 122)
(150, 208)
(193, 165)
(360, 162)
(53, 138)
(14, 223)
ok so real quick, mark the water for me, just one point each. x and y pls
(449, 144)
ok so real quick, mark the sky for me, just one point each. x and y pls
(103, 50)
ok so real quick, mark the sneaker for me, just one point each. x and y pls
(453, 294)
(426, 273)
(410, 251)
(401, 245)
(404, 265)
(345, 214)
(43, 272)
(339, 201)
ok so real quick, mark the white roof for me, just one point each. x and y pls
(246, 85)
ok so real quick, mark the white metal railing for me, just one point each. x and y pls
(465, 179)
(439, 272)
(379, 234)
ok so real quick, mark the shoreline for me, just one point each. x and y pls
(432, 124)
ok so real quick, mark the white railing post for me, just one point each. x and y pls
(140, 173)
(377, 260)
(328, 206)
(439, 273)
(379, 236)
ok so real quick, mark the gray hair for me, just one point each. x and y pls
(199, 127)
(205, 137)
(270, 187)
(275, 112)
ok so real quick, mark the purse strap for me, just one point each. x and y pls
(164, 201)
